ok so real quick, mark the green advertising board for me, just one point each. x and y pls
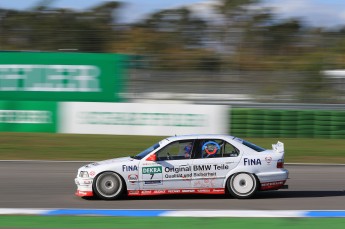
(40, 76)
(28, 116)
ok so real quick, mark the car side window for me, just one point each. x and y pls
(230, 150)
(215, 148)
(178, 150)
(210, 148)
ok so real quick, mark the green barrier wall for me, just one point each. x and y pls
(287, 123)
(41, 76)
(42, 116)
(28, 116)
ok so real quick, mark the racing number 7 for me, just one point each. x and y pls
(152, 174)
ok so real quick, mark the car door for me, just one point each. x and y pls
(213, 160)
(172, 169)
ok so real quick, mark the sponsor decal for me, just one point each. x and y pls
(188, 190)
(186, 171)
(133, 192)
(249, 161)
(208, 174)
(204, 190)
(268, 160)
(49, 78)
(221, 167)
(178, 175)
(210, 167)
(152, 175)
(153, 182)
(129, 168)
(143, 119)
(84, 193)
(183, 171)
(27, 116)
(202, 167)
(211, 147)
(272, 185)
(92, 173)
(176, 191)
(132, 178)
(146, 192)
(178, 169)
(152, 170)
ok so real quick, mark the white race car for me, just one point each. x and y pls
(202, 164)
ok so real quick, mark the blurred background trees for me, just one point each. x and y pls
(240, 43)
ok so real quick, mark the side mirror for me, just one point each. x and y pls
(152, 157)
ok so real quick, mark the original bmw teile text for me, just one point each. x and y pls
(188, 164)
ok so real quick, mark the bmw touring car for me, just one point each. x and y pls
(197, 164)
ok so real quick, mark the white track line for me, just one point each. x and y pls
(22, 211)
(234, 213)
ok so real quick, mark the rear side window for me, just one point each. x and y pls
(213, 148)
(230, 150)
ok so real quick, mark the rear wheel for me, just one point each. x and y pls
(242, 185)
(108, 185)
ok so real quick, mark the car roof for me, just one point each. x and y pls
(195, 136)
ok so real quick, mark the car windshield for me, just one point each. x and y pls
(147, 151)
(253, 146)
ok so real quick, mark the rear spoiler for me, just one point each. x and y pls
(279, 147)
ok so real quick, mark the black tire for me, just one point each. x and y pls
(108, 186)
(242, 185)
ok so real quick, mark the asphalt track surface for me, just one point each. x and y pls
(30, 184)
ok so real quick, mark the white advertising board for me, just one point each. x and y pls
(143, 119)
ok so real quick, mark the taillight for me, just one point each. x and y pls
(280, 164)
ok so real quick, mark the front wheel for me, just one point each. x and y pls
(242, 185)
(108, 185)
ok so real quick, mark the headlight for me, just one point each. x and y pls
(83, 174)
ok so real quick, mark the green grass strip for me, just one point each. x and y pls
(47, 146)
(167, 223)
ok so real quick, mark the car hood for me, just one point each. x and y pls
(110, 161)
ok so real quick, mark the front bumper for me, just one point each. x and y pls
(84, 186)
